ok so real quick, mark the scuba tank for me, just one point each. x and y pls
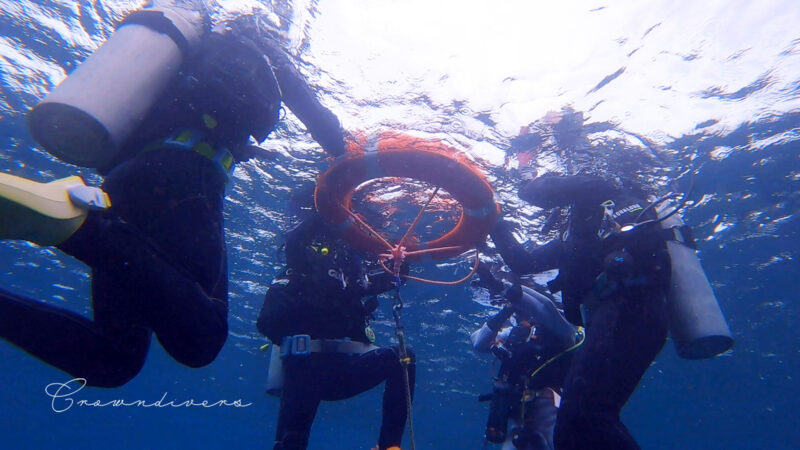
(497, 423)
(275, 372)
(696, 322)
(88, 116)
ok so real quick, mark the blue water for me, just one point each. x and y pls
(706, 87)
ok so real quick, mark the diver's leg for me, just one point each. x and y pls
(623, 338)
(367, 371)
(163, 237)
(540, 420)
(300, 399)
(589, 413)
(161, 243)
(191, 325)
(508, 444)
(188, 190)
(106, 355)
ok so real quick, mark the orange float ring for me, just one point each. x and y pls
(403, 156)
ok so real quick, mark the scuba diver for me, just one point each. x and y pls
(154, 235)
(534, 353)
(314, 311)
(627, 273)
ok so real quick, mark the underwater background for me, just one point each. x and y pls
(700, 96)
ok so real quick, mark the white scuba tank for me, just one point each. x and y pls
(697, 324)
(275, 372)
(87, 117)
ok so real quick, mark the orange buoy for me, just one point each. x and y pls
(398, 155)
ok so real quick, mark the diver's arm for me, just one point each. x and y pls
(551, 191)
(519, 260)
(321, 122)
(483, 338)
(272, 319)
(541, 309)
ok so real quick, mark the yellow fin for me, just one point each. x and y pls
(38, 212)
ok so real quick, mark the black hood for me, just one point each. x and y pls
(235, 80)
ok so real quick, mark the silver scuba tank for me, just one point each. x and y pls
(88, 116)
(697, 324)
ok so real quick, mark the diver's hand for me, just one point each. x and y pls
(371, 304)
(484, 336)
(248, 152)
(333, 143)
(496, 321)
(503, 227)
(488, 281)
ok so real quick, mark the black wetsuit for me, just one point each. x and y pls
(320, 295)
(624, 298)
(158, 255)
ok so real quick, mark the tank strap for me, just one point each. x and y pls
(680, 234)
(158, 22)
(192, 140)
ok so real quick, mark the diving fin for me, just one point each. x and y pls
(45, 213)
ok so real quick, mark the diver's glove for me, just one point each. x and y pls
(514, 294)
(370, 305)
(381, 280)
(502, 234)
(488, 281)
(498, 319)
(248, 152)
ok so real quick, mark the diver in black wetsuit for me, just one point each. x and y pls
(158, 255)
(314, 311)
(535, 353)
(615, 284)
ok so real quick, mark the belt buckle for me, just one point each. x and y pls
(301, 345)
(298, 345)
